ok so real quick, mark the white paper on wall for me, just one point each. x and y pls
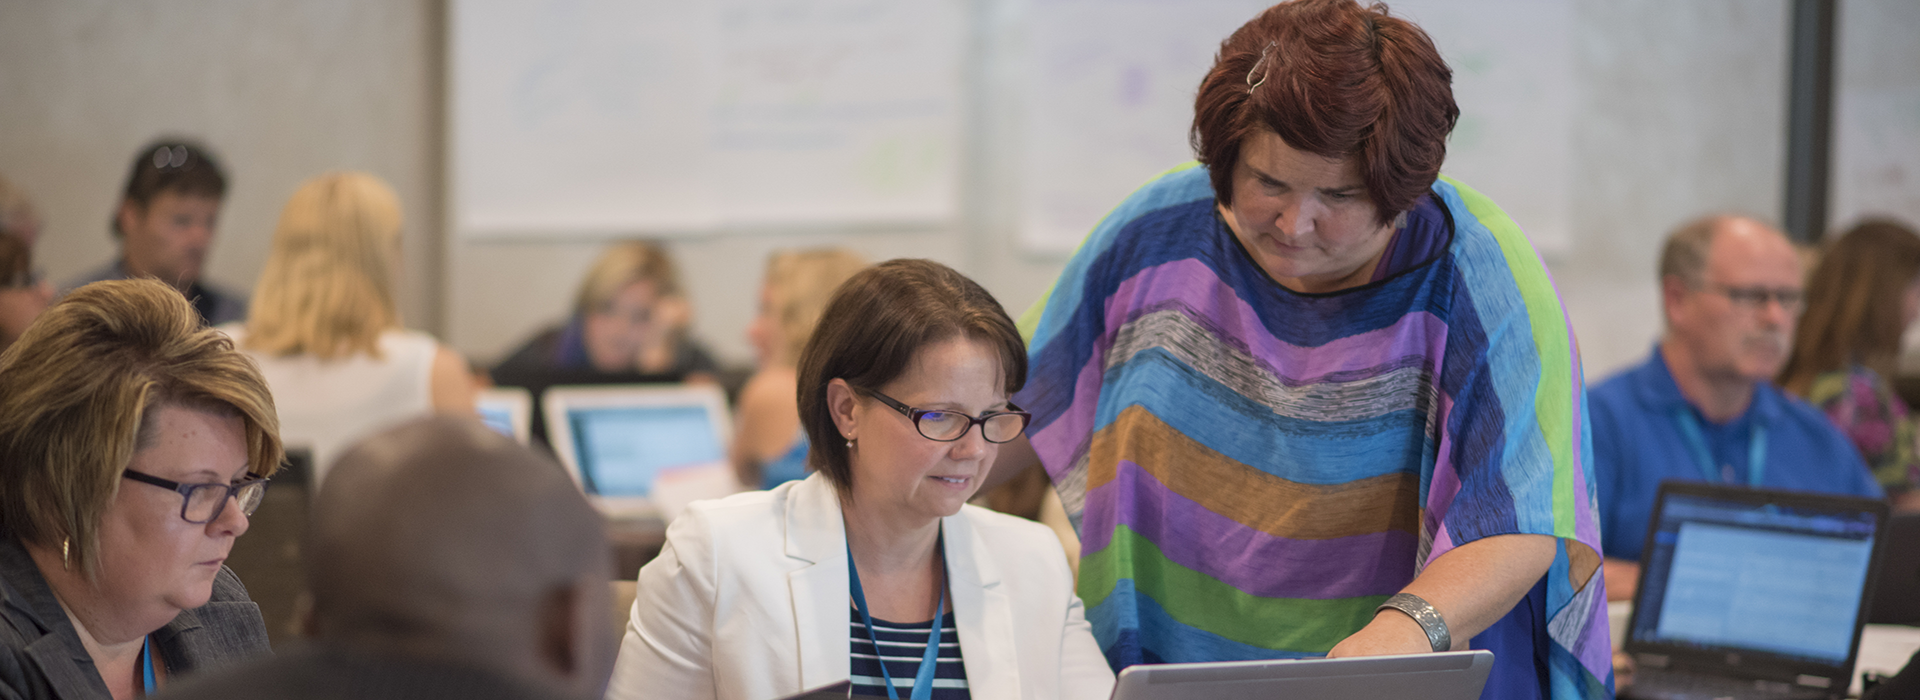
(602, 117)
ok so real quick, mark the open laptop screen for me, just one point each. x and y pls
(1765, 577)
(623, 448)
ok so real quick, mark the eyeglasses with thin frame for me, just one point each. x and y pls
(202, 503)
(1756, 297)
(947, 426)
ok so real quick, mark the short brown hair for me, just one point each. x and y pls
(77, 394)
(875, 325)
(1337, 80)
(171, 165)
(1853, 310)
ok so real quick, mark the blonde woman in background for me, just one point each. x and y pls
(326, 332)
(629, 317)
(768, 446)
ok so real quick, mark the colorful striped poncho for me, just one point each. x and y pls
(1252, 470)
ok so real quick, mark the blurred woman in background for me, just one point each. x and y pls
(1861, 297)
(324, 327)
(768, 446)
(133, 445)
(630, 316)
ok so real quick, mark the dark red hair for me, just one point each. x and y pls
(1337, 80)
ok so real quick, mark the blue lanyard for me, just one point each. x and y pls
(1703, 458)
(146, 667)
(923, 680)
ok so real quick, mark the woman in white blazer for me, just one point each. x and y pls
(904, 392)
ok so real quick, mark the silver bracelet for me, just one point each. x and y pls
(1423, 613)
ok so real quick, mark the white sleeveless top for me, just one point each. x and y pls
(327, 406)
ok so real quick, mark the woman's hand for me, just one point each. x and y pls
(1472, 586)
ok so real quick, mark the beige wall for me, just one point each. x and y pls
(281, 91)
(1680, 110)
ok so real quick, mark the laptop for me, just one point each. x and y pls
(1453, 675)
(1749, 593)
(642, 450)
(1896, 594)
(508, 410)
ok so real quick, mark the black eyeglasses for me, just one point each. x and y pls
(948, 426)
(204, 502)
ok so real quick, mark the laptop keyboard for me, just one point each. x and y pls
(1649, 684)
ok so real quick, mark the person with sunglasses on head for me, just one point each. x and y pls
(134, 444)
(165, 223)
(874, 569)
(1703, 406)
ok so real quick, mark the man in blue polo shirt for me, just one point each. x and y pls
(1703, 407)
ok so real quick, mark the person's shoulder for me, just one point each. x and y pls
(109, 271)
(536, 352)
(748, 514)
(1803, 417)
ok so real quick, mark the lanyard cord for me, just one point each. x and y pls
(146, 667)
(1703, 458)
(922, 680)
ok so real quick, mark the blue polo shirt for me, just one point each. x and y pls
(1638, 443)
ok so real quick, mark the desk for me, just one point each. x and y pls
(1884, 649)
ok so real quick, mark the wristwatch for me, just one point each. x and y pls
(1423, 613)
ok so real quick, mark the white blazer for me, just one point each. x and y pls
(749, 601)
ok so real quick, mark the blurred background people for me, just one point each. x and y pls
(134, 443)
(24, 292)
(1703, 407)
(18, 215)
(165, 223)
(769, 448)
(629, 317)
(445, 561)
(325, 329)
(904, 395)
(1861, 297)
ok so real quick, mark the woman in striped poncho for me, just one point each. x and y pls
(1308, 398)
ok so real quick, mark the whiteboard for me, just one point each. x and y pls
(1108, 100)
(590, 118)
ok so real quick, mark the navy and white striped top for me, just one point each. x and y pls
(904, 644)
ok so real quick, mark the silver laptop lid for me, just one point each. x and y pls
(629, 446)
(1454, 675)
(1756, 583)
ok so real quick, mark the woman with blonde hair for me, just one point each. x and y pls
(133, 445)
(630, 316)
(1861, 297)
(768, 446)
(324, 327)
